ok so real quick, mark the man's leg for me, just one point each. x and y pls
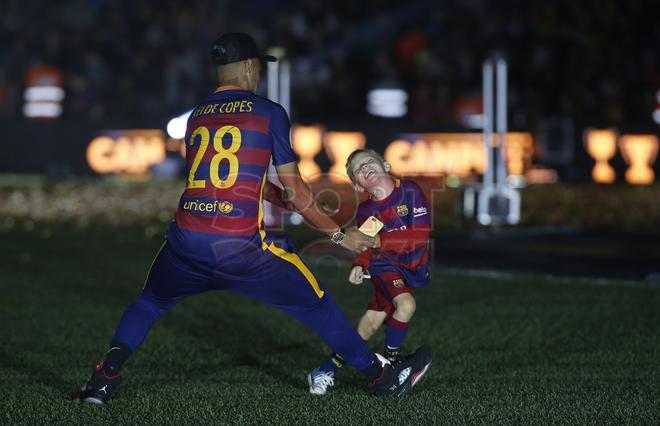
(284, 281)
(323, 377)
(367, 327)
(168, 281)
(280, 278)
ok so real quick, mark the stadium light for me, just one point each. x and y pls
(42, 110)
(473, 121)
(389, 103)
(176, 127)
(44, 94)
(295, 218)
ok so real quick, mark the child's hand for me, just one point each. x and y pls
(355, 277)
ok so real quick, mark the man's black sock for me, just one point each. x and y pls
(373, 371)
(115, 358)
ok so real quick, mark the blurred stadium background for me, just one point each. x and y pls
(93, 94)
(94, 89)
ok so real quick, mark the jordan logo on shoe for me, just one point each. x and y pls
(403, 375)
(103, 389)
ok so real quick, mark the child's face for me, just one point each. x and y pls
(368, 171)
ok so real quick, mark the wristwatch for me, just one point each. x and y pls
(338, 236)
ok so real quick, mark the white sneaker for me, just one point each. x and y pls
(319, 381)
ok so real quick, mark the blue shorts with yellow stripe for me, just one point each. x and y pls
(270, 273)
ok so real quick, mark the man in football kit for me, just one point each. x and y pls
(397, 263)
(217, 240)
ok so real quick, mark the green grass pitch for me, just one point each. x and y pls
(518, 349)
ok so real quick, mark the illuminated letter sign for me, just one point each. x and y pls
(459, 154)
(126, 151)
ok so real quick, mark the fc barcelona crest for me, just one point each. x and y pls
(402, 210)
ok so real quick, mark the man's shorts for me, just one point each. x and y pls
(388, 285)
(269, 274)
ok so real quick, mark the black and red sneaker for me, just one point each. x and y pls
(99, 388)
(398, 379)
(395, 359)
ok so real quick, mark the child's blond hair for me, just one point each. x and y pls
(351, 159)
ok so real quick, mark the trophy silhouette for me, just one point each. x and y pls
(338, 146)
(601, 145)
(307, 143)
(639, 152)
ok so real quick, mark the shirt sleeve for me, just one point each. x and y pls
(280, 131)
(421, 213)
(363, 259)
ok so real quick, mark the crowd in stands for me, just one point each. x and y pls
(140, 62)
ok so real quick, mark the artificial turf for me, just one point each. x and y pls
(515, 349)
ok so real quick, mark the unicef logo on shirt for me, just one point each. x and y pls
(226, 207)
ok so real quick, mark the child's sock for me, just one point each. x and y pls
(333, 363)
(394, 335)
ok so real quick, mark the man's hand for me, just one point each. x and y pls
(356, 241)
(357, 275)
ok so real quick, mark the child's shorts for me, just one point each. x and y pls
(388, 285)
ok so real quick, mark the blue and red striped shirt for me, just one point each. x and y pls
(404, 238)
(230, 138)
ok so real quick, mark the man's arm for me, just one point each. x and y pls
(275, 195)
(302, 199)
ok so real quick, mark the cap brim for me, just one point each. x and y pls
(268, 58)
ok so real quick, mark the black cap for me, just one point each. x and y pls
(236, 47)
